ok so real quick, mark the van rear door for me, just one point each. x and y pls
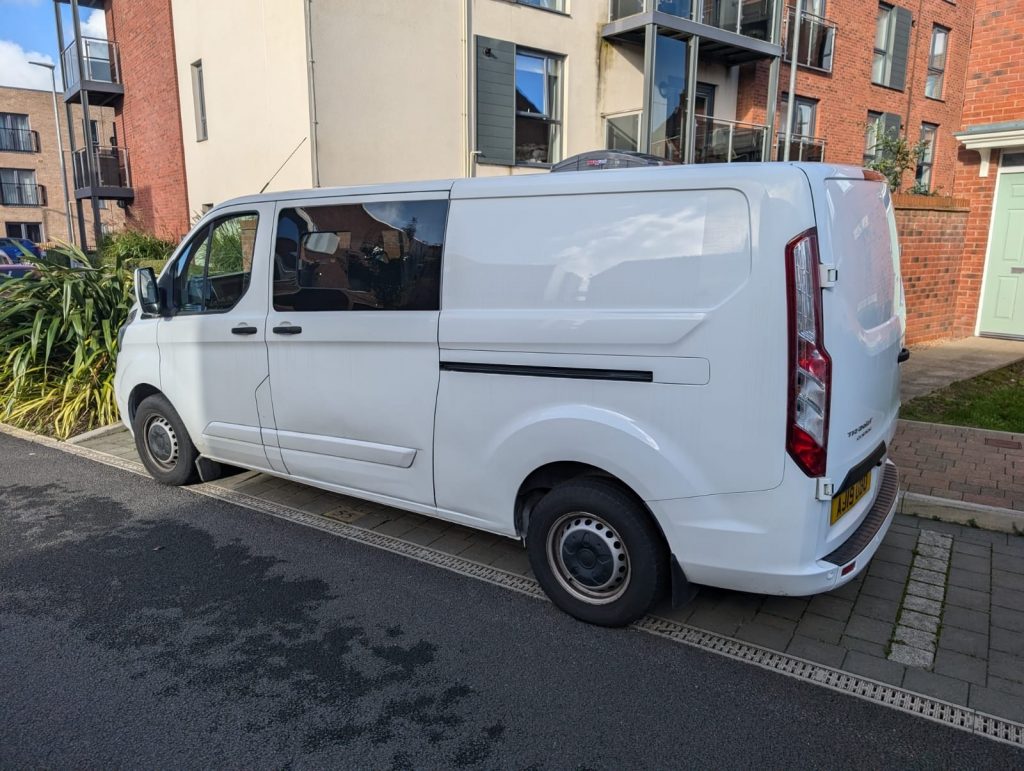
(864, 318)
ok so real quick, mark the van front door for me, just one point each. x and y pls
(213, 356)
(352, 342)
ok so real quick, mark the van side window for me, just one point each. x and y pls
(360, 257)
(213, 273)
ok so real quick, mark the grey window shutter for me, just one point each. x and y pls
(891, 124)
(495, 101)
(900, 47)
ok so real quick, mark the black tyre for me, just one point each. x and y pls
(596, 552)
(163, 443)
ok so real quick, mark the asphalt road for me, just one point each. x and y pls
(142, 626)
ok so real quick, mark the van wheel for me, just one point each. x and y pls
(596, 552)
(163, 443)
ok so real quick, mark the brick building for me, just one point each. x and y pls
(31, 191)
(242, 97)
(136, 161)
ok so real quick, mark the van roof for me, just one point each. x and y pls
(607, 180)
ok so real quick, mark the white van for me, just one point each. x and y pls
(654, 377)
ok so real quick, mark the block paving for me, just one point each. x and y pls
(977, 641)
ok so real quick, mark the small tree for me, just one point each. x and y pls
(895, 156)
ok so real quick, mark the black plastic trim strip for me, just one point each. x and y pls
(862, 536)
(859, 471)
(575, 373)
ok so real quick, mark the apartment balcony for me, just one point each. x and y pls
(731, 31)
(801, 148)
(817, 40)
(101, 71)
(20, 194)
(19, 140)
(109, 176)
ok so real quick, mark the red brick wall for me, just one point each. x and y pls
(847, 94)
(994, 93)
(150, 119)
(930, 240)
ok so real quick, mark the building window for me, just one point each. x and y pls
(892, 42)
(199, 100)
(875, 131)
(882, 64)
(805, 114)
(33, 231)
(382, 256)
(937, 62)
(923, 175)
(18, 188)
(15, 135)
(548, 5)
(538, 107)
(622, 132)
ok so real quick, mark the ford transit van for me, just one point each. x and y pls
(655, 378)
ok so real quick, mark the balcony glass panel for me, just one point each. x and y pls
(109, 167)
(817, 39)
(668, 98)
(620, 9)
(801, 148)
(99, 62)
(752, 18)
(726, 141)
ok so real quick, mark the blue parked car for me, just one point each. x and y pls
(10, 247)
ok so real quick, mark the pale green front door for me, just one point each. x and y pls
(1002, 304)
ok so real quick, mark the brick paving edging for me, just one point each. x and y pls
(979, 657)
(972, 465)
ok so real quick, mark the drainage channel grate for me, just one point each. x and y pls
(955, 716)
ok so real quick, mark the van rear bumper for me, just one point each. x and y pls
(813, 576)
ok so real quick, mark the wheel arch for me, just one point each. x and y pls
(138, 394)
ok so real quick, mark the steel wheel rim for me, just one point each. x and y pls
(161, 442)
(588, 558)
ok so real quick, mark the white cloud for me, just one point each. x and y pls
(16, 71)
(95, 25)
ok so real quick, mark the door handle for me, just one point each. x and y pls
(244, 329)
(287, 329)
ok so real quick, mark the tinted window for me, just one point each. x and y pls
(360, 257)
(213, 273)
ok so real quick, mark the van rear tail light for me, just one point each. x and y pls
(810, 368)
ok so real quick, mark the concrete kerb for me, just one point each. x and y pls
(96, 433)
(976, 515)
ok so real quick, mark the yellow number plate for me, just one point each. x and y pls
(847, 499)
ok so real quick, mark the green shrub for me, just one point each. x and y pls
(135, 250)
(58, 344)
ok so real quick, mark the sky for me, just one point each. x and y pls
(28, 33)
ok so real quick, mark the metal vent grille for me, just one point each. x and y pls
(955, 716)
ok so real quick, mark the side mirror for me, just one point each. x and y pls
(146, 291)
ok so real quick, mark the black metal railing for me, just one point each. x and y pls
(14, 140)
(110, 167)
(100, 61)
(22, 194)
(817, 40)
